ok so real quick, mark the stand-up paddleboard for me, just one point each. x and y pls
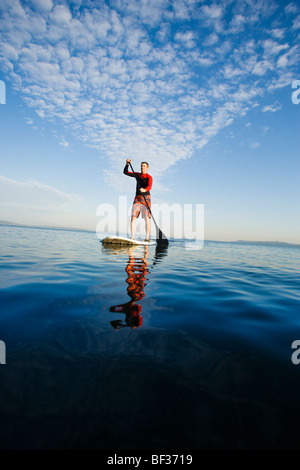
(125, 241)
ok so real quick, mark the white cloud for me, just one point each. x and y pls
(261, 67)
(232, 71)
(237, 24)
(186, 38)
(291, 57)
(272, 107)
(9, 52)
(211, 39)
(212, 11)
(284, 79)
(181, 10)
(296, 23)
(212, 17)
(32, 194)
(273, 48)
(291, 8)
(42, 5)
(139, 77)
(64, 143)
(60, 14)
(278, 33)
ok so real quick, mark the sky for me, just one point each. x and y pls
(207, 92)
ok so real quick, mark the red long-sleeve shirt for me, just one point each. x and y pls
(142, 181)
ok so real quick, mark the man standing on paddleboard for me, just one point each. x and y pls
(142, 200)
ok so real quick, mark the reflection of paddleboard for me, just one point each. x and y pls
(125, 241)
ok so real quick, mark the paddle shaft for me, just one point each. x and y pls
(162, 239)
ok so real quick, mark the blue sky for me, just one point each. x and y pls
(201, 90)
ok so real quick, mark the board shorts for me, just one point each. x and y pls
(136, 280)
(140, 206)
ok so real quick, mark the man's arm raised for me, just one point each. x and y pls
(125, 171)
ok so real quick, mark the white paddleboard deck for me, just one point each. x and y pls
(125, 241)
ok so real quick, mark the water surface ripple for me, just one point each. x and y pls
(142, 348)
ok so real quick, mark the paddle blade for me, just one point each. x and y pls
(161, 239)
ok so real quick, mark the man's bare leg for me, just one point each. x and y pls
(147, 227)
(132, 227)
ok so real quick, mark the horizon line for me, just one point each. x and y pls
(77, 229)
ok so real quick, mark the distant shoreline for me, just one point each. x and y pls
(74, 229)
(51, 227)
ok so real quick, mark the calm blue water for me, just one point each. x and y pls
(142, 349)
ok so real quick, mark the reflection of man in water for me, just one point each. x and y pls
(136, 268)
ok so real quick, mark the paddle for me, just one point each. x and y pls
(161, 239)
